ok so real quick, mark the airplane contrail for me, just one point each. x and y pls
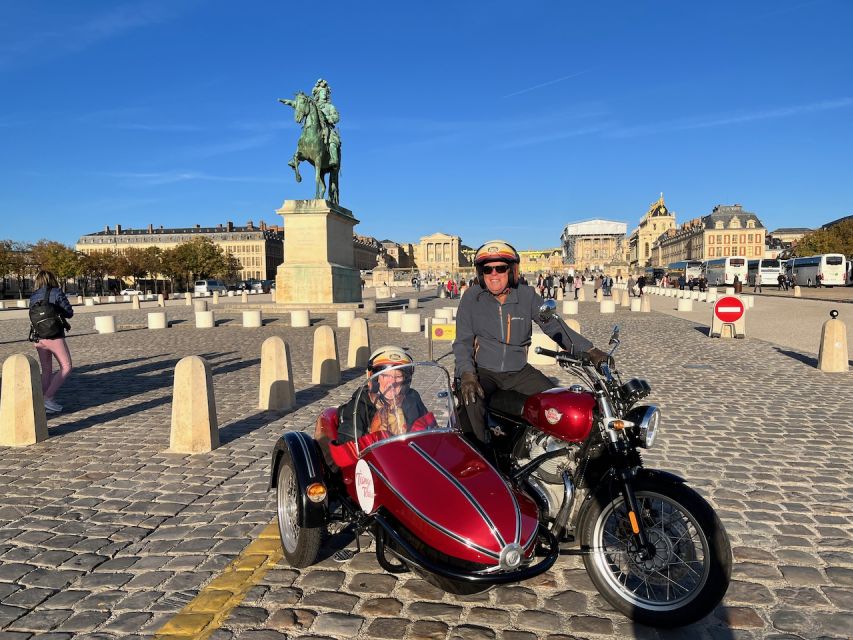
(545, 84)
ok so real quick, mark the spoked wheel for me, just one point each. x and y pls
(300, 544)
(686, 570)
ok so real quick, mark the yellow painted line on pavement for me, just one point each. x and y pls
(209, 609)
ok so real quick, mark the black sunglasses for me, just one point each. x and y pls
(500, 268)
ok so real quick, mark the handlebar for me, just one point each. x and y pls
(562, 357)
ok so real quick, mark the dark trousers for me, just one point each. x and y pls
(527, 381)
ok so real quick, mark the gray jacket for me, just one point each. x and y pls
(496, 336)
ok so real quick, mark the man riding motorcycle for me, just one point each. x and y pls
(494, 326)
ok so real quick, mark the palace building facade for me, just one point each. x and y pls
(595, 245)
(657, 220)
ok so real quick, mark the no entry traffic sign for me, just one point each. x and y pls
(728, 309)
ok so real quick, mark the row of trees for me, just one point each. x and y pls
(836, 239)
(197, 258)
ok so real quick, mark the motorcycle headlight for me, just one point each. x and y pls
(648, 426)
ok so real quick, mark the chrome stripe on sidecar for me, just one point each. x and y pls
(511, 493)
(301, 437)
(432, 523)
(461, 488)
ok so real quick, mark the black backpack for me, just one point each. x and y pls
(45, 318)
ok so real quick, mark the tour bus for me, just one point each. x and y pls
(765, 271)
(653, 275)
(688, 268)
(827, 269)
(723, 271)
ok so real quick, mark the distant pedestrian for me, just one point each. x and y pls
(641, 283)
(780, 279)
(756, 288)
(47, 289)
(630, 286)
(578, 283)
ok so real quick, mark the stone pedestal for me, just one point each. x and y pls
(383, 277)
(319, 261)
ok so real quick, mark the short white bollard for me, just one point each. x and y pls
(326, 369)
(570, 307)
(797, 291)
(345, 318)
(230, 294)
(607, 306)
(161, 300)
(750, 301)
(712, 291)
(96, 299)
(89, 302)
(105, 324)
(188, 299)
(443, 315)
(694, 295)
(195, 428)
(368, 305)
(636, 304)
(452, 311)
(626, 298)
(685, 304)
(244, 297)
(395, 317)
(413, 303)
(646, 305)
(22, 417)
(204, 320)
(157, 320)
(199, 305)
(134, 303)
(541, 339)
(703, 296)
(410, 323)
(125, 298)
(253, 319)
(111, 298)
(581, 295)
(79, 299)
(833, 355)
(215, 297)
(300, 318)
(276, 391)
(730, 291)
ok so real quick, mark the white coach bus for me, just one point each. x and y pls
(827, 269)
(765, 271)
(723, 271)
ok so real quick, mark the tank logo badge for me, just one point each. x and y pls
(364, 486)
(552, 415)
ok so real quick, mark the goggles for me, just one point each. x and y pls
(500, 268)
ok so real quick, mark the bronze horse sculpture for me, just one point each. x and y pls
(313, 148)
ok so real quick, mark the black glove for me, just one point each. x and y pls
(471, 388)
(596, 356)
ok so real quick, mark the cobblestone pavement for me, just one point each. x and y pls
(105, 535)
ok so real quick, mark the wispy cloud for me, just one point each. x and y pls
(546, 84)
(554, 136)
(707, 121)
(158, 178)
(153, 127)
(229, 146)
(25, 45)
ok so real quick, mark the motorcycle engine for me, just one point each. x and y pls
(547, 479)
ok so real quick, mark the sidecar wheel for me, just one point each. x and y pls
(300, 544)
(687, 575)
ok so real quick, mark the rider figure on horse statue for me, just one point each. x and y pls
(320, 143)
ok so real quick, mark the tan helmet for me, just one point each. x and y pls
(388, 356)
(497, 251)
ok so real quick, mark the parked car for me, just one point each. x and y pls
(209, 286)
(131, 292)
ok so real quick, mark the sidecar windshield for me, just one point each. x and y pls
(401, 402)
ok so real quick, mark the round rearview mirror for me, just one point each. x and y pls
(547, 310)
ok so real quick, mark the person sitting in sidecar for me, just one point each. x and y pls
(388, 406)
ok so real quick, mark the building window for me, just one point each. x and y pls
(727, 238)
(749, 238)
(711, 239)
(719, 239)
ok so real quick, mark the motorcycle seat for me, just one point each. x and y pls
(508, 402)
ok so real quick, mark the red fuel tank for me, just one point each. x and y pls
(566, 414)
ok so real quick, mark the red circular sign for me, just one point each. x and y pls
(439, 332)
(728, 309)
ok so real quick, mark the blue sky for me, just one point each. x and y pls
(483, 119)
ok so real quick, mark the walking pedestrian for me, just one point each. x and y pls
(47, 289)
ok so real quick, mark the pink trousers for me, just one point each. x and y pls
(47, 350)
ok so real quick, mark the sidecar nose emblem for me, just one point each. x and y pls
(511, 556)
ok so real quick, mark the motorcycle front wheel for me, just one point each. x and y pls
(300, 544)
(682, 579)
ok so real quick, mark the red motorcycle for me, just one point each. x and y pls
(563, 475)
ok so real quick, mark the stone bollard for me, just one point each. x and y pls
(300, 318)
(345, 319)
(161, 300)
(134, 302)
(570, 307)
(79, 299)
(204, 320)
(395, 317)
(253, 319)
(581, 295)
(413, 303)
(325, 367)
(560, 294)
(215, 297)
(89, 302)
(712, 291)
(646, 306)
(833, 355)
(797, 291)
(157, 320)
(626, 298)
(703, 296)
(443, 315)
(231, 294)
(195, 428)
(730, 291)
(244, 297)
(359, 344)
(276, 391)
(636, 304)
(684, 304)
(188, 299)
(22, 304)
(199, 305)
(22, 417)
(607, 306)
(410, 323)
(2, 304)
(599, 295)
(452, 312)
(105, 324)
(694, 295)
(749, 301)
(125, 298)
(540, 339)
(573, 324)
(368, 305)
(111, 298)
